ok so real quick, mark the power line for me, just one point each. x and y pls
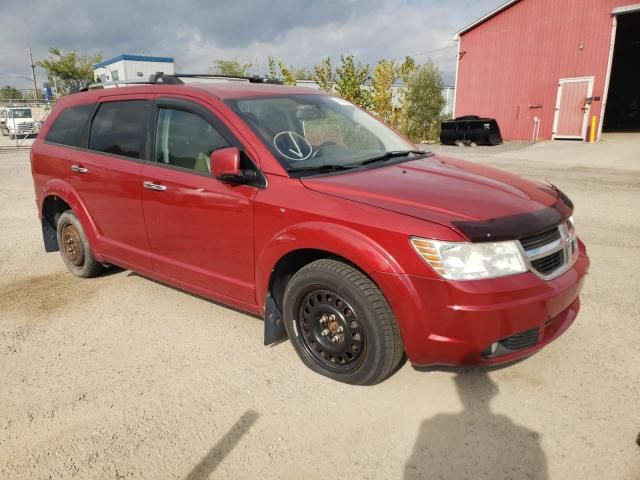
(428, 52)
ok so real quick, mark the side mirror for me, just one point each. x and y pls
(225, 165)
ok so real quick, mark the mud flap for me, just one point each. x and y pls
(50, 237)
(274, 331)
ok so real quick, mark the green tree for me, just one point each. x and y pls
(71, 69)
(350, 81)
(302, 73)
(278, 70)
(9, 93)
(407, 68)
(423, 103)
(384, 77)
(288, 75)
(231, 68)
(323, 75)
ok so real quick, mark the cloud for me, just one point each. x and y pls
(196, 32)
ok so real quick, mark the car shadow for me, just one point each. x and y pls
(476, 443)
(225, 445)
(194, 295)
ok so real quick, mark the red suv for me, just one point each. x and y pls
(302, 208)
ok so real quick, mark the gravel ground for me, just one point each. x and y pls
(122, 377)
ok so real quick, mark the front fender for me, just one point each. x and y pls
(338, 240)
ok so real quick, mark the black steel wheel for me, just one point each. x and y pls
(340, 323)
(330, 330)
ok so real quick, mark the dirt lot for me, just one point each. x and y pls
(121, 377)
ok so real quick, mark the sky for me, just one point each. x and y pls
(196, 32)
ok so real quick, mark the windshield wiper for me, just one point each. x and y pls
(321, 168)
(392, 154)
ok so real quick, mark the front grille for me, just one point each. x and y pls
(549, 264)
(551, 252)
(25, 127)
(542, 239)
(521, 340)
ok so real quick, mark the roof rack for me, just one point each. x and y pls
(176, 79)
(252, 79)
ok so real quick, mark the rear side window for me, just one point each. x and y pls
(68, 126)
(120, 128)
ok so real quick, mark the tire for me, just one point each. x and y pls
(74, 247)
(340, 323)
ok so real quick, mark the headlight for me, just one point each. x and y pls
(470, 261)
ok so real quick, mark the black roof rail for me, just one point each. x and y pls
(251, 79)
(92, 85)
(160, 77)
(175, 79)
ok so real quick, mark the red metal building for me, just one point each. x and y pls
(549, 66)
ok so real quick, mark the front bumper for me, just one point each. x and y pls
(454, 323)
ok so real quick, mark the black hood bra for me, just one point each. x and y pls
(515, 227)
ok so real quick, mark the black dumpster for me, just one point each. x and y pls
(469, 130)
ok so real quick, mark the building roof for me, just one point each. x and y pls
(136, 58)
(483, 19)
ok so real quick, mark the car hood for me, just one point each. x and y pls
(479, 201)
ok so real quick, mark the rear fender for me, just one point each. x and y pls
(65, 192)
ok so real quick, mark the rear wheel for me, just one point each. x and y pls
(74, 247)
(340, 324)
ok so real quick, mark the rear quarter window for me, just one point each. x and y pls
(68, 126)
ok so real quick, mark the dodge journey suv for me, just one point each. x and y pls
(298, 206)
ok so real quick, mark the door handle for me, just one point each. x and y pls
(78, 169)
(154, 186)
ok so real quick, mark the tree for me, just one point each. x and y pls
(384, 77)
(231, 68)
(350, 82)
(302, 73)
(71, 70)
(10, 93)
(423, 104)
(323, 75)
(288, 75)
(406, 69)
(278, 70)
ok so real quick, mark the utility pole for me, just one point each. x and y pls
(33, 75)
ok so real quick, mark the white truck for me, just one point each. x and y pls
(17, 122)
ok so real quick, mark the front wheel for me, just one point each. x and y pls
(340, 323)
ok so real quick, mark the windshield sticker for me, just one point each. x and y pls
(292, 146)
(341, 101)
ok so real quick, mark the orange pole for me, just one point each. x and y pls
(592, 133)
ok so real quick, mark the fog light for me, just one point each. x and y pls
(490, 350)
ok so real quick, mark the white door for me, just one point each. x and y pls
(572, 108)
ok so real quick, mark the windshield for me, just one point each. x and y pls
(19, 113)
(306, 132)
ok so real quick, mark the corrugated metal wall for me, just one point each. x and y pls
(133, 67)
(509, 66)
